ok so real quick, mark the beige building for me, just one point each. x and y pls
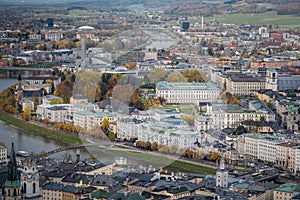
(244, 85)
(286, 191)
(283, 157)
(77, 99)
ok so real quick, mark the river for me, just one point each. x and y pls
(25, 141)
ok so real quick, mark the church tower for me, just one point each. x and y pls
(30, 179)
(222, 175)
(12, 186)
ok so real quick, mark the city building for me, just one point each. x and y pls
(3, 154)
(30, 179)
(242, 84)
(220, 116)
(77, 99)
(187, 93)
(222, 175)
(53, 36)
(277, 80)
(88, 119)
(286, 191)
(54, 112)
(163, 133)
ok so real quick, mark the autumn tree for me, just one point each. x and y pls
(156, 76)
(64, 90)
(154, 146)
(148, 145)
(56, 101)
(26, 113)
(214, 156)
(194, 75)
(176, 77)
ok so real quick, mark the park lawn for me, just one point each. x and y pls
(38, 130)
(180, 166)
(78, 12)
(171, 165)
(267, 18)
(186, 109)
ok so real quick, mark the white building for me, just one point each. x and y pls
(220, 116)
(267, 150)
(53, 36)
(187, 93)
(153, 131)
(55, 112)
(89, 119)
(3, 154)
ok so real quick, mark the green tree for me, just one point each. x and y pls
(111, 136)
(105, 125)
(26, 113)
(56, 101)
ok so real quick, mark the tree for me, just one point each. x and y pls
(64, 90)
(194, 75)
(56, 101)
(3, 144)
(46, 121)
(105, 125)
(148, 145)
(111, 136)
(156, 76)
(176, 77)
(26, 113)
(154, 146)
(214, 156)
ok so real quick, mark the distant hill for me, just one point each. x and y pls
(104, 3)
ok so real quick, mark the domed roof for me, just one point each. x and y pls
(86, 28)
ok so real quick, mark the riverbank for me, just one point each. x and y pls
(59, 136)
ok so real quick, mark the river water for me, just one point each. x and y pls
(26, 141)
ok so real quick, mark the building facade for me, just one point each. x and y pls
(187, 93)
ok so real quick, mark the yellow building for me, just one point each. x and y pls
(286, 191)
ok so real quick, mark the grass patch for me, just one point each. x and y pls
(79, 12)
(186, 109)
(41, 131)
(267, 18)
(180, 166)
(171, 165)
(170, 107)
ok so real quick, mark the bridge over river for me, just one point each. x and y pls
(14, 71)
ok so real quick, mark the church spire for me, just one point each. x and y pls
(12, 166)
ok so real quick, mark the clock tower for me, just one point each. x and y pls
(222, 175)
(30, 179)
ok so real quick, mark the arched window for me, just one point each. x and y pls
(33, 188)
(24, 187)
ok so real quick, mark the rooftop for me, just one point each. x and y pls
(289, 187)
(164, 85)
